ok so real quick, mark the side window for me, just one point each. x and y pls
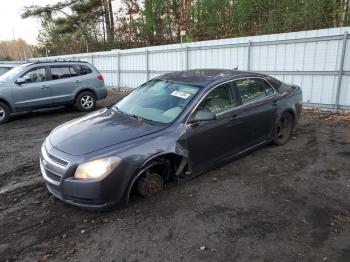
(83, 70)
(253, 89)
(218, 100)
(60, 72)
(72, 71)
(35, 75)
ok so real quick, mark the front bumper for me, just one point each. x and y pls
(57, 169)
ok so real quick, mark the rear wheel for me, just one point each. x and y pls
(86, 101)
(283, 129)
(4, 113)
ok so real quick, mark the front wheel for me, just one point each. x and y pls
(85, 102)
(4, 113)
(150, 184)
(283, 129)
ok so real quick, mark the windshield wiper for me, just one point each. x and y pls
(120, 111)
(140, 118)
(136, 117)
(149, 121)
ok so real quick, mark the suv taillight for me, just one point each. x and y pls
(100, 77)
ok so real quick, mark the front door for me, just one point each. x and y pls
(34, 92)
(209, 142)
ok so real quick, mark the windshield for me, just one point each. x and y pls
(9, 75)
(158, 100)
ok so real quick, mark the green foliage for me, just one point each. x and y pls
(5, 58)
(70, 26)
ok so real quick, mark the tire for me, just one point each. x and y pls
(283, 129)
(4, 113)
(150, 184)
(85, 101)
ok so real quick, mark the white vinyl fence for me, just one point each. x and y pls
(318, 61)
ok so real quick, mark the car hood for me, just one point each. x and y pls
(3, 83)
(98, 130)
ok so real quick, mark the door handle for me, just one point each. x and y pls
(275, 103)
(77, 81)
(234, 120)
(44, 86)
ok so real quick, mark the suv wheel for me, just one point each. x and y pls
(86, 101)
(4, 113)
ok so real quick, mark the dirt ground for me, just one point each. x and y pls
(289, 203)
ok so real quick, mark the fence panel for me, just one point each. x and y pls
(316, 60)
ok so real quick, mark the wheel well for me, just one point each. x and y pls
(6, 103)
(158, 163)
(172, 158)
(85, 90)
(292, 113)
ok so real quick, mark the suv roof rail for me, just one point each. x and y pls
(56, 60)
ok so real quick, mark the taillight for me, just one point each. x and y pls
(100, 77)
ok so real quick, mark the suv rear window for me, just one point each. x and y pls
(83, 70)
(60, 72)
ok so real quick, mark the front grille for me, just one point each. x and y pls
(52, 168)
(52, 175)
(58, 160)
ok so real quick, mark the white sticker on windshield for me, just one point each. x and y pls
(180, 94)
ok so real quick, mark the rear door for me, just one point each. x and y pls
(34, 92)
(64, 80)
(88, 78)
(258, 110)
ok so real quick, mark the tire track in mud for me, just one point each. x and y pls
(30, 218)
(261, 206)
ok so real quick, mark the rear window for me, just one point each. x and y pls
(60, 72)
(83, 70)
(273, 81)
(252, 89)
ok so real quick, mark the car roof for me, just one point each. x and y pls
(203, 77)
(64, 62)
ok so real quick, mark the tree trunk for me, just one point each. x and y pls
(107, 21)
(111, 18)
(345, 12)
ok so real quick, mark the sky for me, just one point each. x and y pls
(11, 24)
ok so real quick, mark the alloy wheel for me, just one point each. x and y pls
(2, 113)
(87, 102)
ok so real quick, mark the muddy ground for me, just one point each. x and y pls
(289, 203)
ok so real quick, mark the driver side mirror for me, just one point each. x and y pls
(202, 115)
(21, 80)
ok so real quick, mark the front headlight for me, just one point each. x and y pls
(96, 169)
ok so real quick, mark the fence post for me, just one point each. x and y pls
(248, 55)
(119, 71)
(187, 58)
(147, 65)
(341, 71)
(92, 59)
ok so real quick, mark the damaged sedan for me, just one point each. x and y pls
(171, 128)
